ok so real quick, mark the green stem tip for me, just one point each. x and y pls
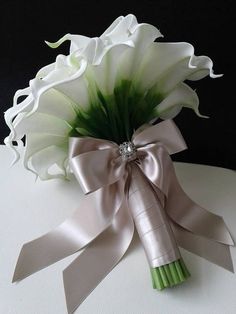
(169, 275)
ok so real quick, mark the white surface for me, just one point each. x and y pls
(28, 209)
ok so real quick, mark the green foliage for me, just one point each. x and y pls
(115, 117)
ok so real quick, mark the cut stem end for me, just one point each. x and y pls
(169, 275)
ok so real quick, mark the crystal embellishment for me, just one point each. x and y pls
(127, 151)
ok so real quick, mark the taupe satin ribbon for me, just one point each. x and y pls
(104, 223)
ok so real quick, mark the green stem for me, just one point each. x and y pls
(169, 275)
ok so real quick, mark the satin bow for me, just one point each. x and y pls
(103, 224)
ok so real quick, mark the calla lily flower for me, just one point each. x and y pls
(105, 87)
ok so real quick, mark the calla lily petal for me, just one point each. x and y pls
(76, 92)
(41, 123)
(112, 26)
(105, 75)
(38, 87)
(57, 104)
(44, 160)
(77, 42)
(37, 142)
(121, 29)
(143, 37)
(168, 64)
(181, 96)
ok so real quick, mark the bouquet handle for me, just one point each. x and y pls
(146, 205)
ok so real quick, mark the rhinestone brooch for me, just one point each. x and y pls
(127, 151)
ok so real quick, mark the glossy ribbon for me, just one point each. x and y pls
(104, 222)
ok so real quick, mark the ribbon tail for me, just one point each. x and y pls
(93, 217)
(184, 212)
(199, 230)
(193, 217)
(83, 275)
(215, 252)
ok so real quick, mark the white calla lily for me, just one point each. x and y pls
(122, 31)
(105, 87)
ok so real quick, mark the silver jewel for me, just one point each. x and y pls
(128, 151)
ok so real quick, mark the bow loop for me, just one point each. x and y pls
(165, 133)
(80, 145)
(95, 162)
(96, 169)
(153, 163)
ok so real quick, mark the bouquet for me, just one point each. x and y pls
(103, 113)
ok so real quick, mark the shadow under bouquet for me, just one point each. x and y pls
(103, 112)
